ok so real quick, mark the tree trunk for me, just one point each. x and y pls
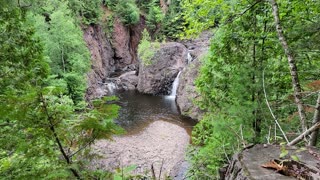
(55, 135)
(292, 65)
(164, 6)
(316, 119)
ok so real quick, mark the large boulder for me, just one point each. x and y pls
(127, 81)
(186, 92)
(248, 163)
(157, 78)
(102, 63)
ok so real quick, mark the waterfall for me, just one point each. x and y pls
(111, 87)
(189, 58)
(175, 86)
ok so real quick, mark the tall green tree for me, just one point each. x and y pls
(43, 133)
(65, 48)
(246, 63)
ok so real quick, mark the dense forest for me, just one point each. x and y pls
(258, 83)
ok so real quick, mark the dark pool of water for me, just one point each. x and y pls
(139, 110)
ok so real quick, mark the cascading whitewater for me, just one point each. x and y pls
(111, 87)
(175, 86)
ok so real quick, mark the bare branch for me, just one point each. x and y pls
(306, 133)
(83, 147)
(231, 19)
(55, 135)
(274, 117)
(316, 119)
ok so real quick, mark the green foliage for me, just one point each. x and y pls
(173, 23)
(147, 49)
(200, 15)
(128, 12)
(154, 17)
(46, 128)
(245, 54)
(111, 4)
(215, 138)
(108, 26)
(89, 10)
(65, 48)
(145, 5)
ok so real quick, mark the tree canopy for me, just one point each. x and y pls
(246, 66)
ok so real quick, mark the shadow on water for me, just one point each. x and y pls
(139, 110)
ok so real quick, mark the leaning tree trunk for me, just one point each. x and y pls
(316, 119)
(292, 65)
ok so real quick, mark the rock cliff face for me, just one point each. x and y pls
(157, 78)
(186, 92)
(112, 57)
(125, 42)
(102, 63)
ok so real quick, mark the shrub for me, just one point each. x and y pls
(128, 12)
(154, 17)
(147, 49)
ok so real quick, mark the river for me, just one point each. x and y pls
(157, 137)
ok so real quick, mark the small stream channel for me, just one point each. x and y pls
(156, 135)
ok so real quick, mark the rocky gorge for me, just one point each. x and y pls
(115, 65)
(159, 145)
(158, 140)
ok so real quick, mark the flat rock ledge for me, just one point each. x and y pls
(248, 163)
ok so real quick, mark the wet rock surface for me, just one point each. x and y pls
(186, 92)
(248, 163)
(157, 78)
(199, 45)
(161, 144)
(102, 62)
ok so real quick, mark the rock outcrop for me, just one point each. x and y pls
(157, 78)
(248, 163)
(186, 92)
(102, 63)
(126, 81)
(200, 45)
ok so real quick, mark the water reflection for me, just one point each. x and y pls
(139, 110)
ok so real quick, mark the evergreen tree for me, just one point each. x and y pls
(245, 67)
(43, 133)
(64, 46)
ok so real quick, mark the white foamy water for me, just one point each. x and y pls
(175, 86)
